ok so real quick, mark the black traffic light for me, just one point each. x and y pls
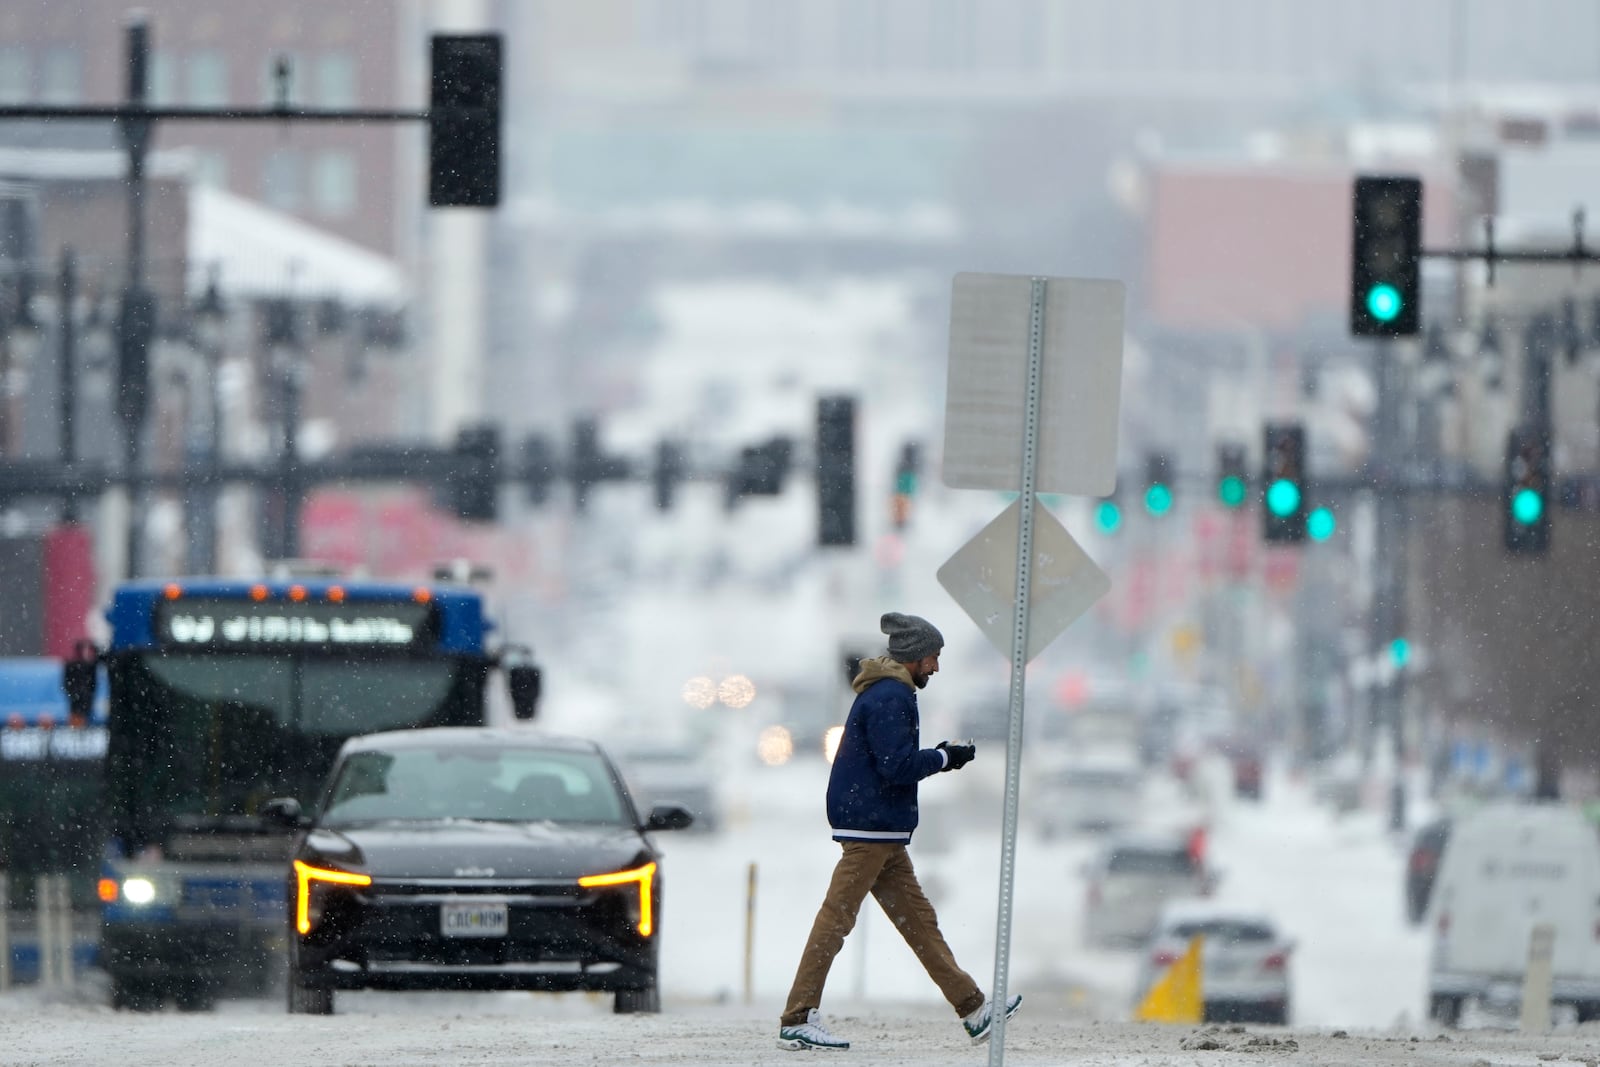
(1386, 257)
(836, 470)
(1158, 495)
(761, 469)
(464, 121)
(474, 491)
(1525, 497)
(538, 467)
(1283, 482)
(907, 473)
(667, 473)
(590, 465)
(1233, 478)
(136, 328)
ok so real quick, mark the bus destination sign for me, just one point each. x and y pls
(217, 623)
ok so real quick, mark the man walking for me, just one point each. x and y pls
(872, 807)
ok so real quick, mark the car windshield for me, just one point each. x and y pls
(1174, 861)
(494, 784)
(1227, 931)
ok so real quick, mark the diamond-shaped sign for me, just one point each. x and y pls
(1063, 581)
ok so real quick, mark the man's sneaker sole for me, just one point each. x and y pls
(982, 1036)
(796, 1044)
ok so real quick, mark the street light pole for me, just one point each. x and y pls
(67, 368)
(137, 310)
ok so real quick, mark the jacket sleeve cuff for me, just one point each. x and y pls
(944, 758)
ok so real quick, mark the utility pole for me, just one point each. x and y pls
(134, 327)
(67, 358)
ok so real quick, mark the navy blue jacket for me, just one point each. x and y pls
(872, 789)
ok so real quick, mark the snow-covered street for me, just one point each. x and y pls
(1333, 883)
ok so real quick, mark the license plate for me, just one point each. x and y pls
(474, 920)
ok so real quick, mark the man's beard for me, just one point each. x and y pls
(921, 680)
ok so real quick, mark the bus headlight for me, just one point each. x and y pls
(138, 890)
(306, 913)
(644, 877)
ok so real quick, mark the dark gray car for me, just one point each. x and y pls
(475, 859)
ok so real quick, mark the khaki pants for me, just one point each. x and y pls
(885, 871)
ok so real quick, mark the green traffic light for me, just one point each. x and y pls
(1320, 524)
(1231, 491)
(1526, 507)
(1158, 499)
(1107, 516)
(1400, 652)
(905, 483)
(1383, 302)
(1283, 498)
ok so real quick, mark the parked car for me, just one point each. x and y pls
(470, 858)
(1422, 864)
(1508, 867)
(672, 774)
(1244, 960)
(1131, 879)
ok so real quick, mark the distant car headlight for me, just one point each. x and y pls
(138, 890)
(307, 911)
(644, 877)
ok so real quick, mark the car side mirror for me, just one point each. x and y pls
(525, 682)
(669, 817)
(284, 812)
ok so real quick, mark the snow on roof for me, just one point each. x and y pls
(258, 250)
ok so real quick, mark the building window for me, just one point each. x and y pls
(280, 180)
(336, 80)
(210, 168)
(208, 79)
(333, 184)
(163, 79)
(62, 76)
(14, 81)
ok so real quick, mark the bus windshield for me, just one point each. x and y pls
(202, 740)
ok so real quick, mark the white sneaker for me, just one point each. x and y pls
(809, 1034)
(977, 1024)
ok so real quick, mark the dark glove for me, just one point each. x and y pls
(958, 756)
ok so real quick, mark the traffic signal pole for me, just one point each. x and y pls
(1386, 704)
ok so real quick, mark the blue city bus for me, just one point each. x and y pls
(226, 694)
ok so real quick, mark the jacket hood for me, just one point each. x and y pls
(877, 669)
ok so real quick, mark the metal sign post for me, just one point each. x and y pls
(1019, 671)
(1071, 362)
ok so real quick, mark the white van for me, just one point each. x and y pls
(1506, 868)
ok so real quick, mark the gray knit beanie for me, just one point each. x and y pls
(910, 637)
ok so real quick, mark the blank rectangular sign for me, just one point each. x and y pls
(1080, 384)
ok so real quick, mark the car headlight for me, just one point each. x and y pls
(138, 890)
(305, 911)
(644, 877)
